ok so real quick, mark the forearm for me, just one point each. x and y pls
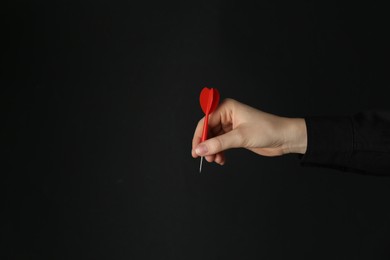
(358, 143)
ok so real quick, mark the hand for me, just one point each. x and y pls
(235, 125)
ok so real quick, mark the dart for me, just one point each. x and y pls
(209, 99)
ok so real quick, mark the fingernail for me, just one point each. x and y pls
(201, 149)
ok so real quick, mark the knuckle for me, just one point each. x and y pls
(200, 122)
(229, 101)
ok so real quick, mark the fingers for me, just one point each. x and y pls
(197, 137)
(213, 130)
(220, 158)
(219, 144)
(222, 116)
(217, 158)
(220, 121)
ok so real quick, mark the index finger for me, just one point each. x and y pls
(197, 137)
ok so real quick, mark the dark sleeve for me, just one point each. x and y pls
(359, 143)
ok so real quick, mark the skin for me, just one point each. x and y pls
(236, 125)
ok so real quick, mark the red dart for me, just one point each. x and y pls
(209, 99)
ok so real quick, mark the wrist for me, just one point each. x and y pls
(295, 136)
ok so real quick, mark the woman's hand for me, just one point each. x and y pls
(235, 125)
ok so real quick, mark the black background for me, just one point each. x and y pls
(101, 101)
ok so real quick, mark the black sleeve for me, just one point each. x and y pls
(359, 143)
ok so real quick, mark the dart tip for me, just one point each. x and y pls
(200, 166)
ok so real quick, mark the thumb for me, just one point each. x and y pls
(219, 143)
